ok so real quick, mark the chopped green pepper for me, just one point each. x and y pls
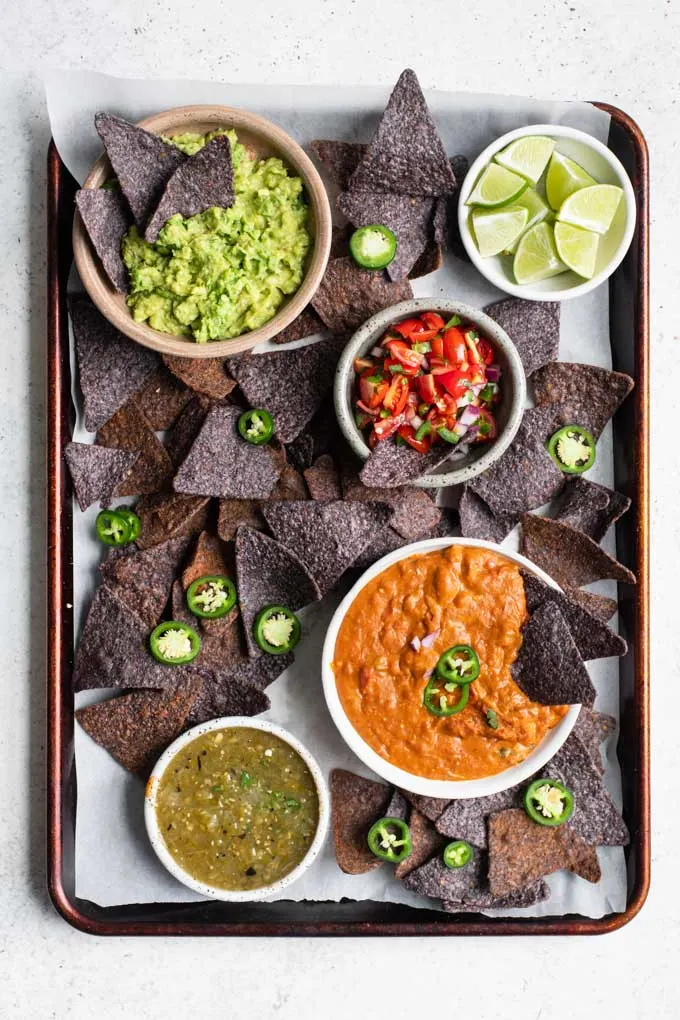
(113, 528)
(491, 719)
(548, 802)
(458, 665)
(276, 630)
(455, 320)
(174, 643)
(438, 696)
(132, 519)
(256, 426)
(373, 246)
(457, 855)
(573, 449)
(448, 436)
(423, 431)
(390, 840)
(211, 597)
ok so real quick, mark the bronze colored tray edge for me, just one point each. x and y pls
(60, 723)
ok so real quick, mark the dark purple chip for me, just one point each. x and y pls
(593, 638)
(163, 399)
(466, 819)
(207, 558)
(235, 512)
(182, 435)
(592, 729)
(599, 606)
(111, 368)
(406, 155)
(221, 463)
(340, 241)
(323, 480)
(485, 900)
(590, 508)
(229, 691)
(300, 452)
(96, 471)
(203, 181)
(477, 519)
(407, 216)
(425, 843)
(548, 667)
(202, 375)
(269, 574)
(430, 807)
(107, 219)
(339, 158)
(142, 162)
(348, 295)
(129, 430)
(389, 464)
(398, 806)
(306, 324)
(590, 395)
(429, 261)
(415, 516)
(386, 541)
(570, 557)
(327, 536)
(289, 384)
(435, 880)
(167, 515)
(356, 803)
(143, 580)
(533, 327)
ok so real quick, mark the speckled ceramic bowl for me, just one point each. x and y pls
(508, 413)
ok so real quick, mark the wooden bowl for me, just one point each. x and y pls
(262, 138)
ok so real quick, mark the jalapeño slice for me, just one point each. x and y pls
(458, 665)
(390, 840)
(113, 528)
(256, 426)
(548, 802)
(174, 643)
(276, 630)
(211, 597)
(373, 246)
(442, 697)
(457, 855)
(132, 519)
(573, 449)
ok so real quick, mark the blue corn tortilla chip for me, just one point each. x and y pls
(167, 515)
(96, 471)
(477, 519)
(398, 807)
(466, 818)
(389, 539)
(390, 465)
(348, 295)
(268, 574)
(429, 261)
(327, 536)
(599, 606)
(485, 900)
(406, 155)
(323, 479)
(221, 463)
(142, 162)
(129, 430)
(306, 324)
(425, 842)
(106, 217)
(407, 216)
(182, 434)
(356, 803)
(163, 399)
(590, 508)
(143, 580)
(228, 691)
(415, 514)
(235, 512)
(340, 159)
(593, 638)
(202, 375)
(300, 453)
(203, 181)
(588, 395)
(548, 667)
(594, 728)
(289, 384)
(533, 327)
(430, 807)
(570, 557)
(111, 368)
(435, 880)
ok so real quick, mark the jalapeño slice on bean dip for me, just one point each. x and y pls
(237, 808)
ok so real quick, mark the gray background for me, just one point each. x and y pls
(622, 51)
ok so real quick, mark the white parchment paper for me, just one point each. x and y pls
(114, 862)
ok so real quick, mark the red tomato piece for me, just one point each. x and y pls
(395, 399)
(408, 434)
(406, 327)
(427, 388)
(386, 427)
(433, 321)
(362, 364)
(454, 345)
(486, 351)
(455, 382)
(394, 362)
(404, 354)
(437, 347)
(372, 391)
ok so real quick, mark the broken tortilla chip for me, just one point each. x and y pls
(129, 430)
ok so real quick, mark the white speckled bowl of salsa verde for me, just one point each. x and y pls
(236, 809)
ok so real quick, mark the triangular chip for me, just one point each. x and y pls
(202, 375)
(429, 261)
(137, 727)
(483, 899)
(163, 399)
(407, 216)
(129, 430)
(477, 519)
(415, 514)
(142, 162)
(143, 580)
(592, 729)
(107, 220)
(182, 434)
(227, 691)
(111, 368)
(269, 574)
(594, 639)
(96, 471)
(425, 843)
(430, 807)
(221, 463)
(339, 158)
(169, 515)
(206, 559)
(202, 182)
(548, 667)
(356, 803)
(590, 395)
(406, 155)
(348, 295)
(390, 464)
(590, 508)
(222, 643)
(595, 817)
(570, 557)
(289, 384)
(306, 324)
(435, 880)
(533, 327)
(327, 536)
(235, 512)
(466, 818)
(322, 478)
(599, 606)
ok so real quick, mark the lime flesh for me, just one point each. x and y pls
(537, 209)
(527, 156)
(496, 186)
(536, 258)
(564, 177)
(577, 248)
(496, 229)
(592, 208)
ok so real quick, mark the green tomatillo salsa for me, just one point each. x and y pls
(223, 272)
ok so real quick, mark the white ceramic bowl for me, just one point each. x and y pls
(156, 837)
(508, 413)
(601, 163)
(444, 788)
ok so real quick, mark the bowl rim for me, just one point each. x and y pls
(445, 789)
(375, 325)
(96, 282)
(158, 843)
(527, 291)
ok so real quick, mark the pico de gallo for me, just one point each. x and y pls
(429, 380)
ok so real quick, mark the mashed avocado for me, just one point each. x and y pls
(223, 272)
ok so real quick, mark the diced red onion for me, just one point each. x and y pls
(373, 411)
(469, 415)
(493, 373)
(472, 431)
(477, 388)
(377, 352)
(459, 429)
(430, 639)
(425, 365)
(415, 643)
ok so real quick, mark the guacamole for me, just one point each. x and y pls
(223, 272)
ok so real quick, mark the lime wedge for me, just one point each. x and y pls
(564, 177)
(527, 156)
(592, 208)
(537, 210)
(537, 257)
(496, 186)
(496, 229)
(577, 248)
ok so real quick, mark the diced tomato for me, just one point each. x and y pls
(486, 419)
(408, 433)
(362, 364)
(371, 390)
(427, 388)
(406, 369)
(437, 347)
(404, 354)
(419, 336)
(439, 365)
(446, 404)
(486, 351)
(395, 399)
(373, 411)
(455, 382)
(471, 342)
(386, 427)
(433, 321)
(406, 327)
(411, 409)
(454, 345)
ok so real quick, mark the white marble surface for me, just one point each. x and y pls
(624, 51)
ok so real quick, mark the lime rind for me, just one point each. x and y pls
(496, 187)
(496, 229)
(536, 258)
(563, 178)
(577, 248)
(592, 208)
(527, 156)
(537, 209)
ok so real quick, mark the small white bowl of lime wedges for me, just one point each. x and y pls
(546, 212)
